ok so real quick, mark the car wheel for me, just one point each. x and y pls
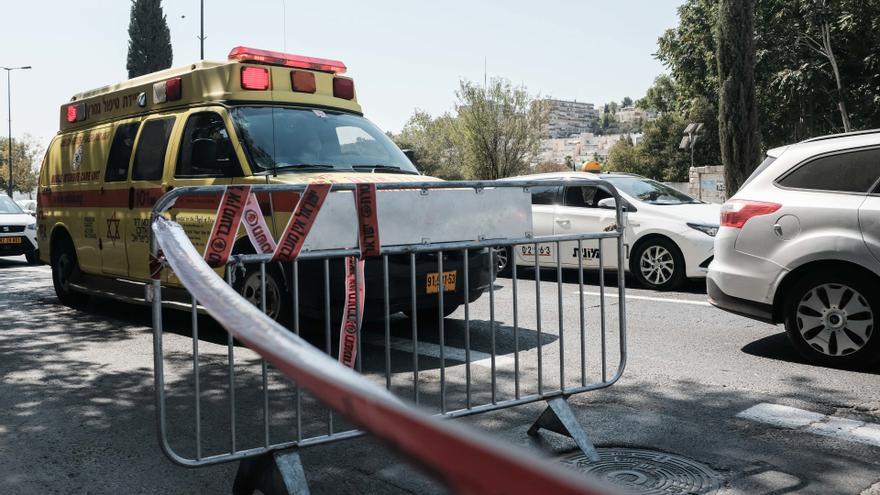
(65, 270)
(658, 264)
(829, 317)
(248, 283)
(33, 257)
(503, 258)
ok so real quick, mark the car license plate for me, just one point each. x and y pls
(432, 285)
(13, 240)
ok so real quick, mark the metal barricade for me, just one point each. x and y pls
(505, 348)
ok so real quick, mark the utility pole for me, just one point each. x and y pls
(284, 25)
(202, 30)
(9, 109)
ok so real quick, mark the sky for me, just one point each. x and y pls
(402, 54)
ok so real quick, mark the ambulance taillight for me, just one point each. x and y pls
(245, 54)
(168, 90)
(343, 87)
(76, 113)
(256, 78)
(302, 81)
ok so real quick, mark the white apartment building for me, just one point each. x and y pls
(568, 118)
(631, 114)
(580, 147)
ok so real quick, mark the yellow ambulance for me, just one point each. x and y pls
(260, 117)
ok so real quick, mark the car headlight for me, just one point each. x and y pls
(709, 230)
(32, 226)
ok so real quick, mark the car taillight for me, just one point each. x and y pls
(254, 78)
(736, 212)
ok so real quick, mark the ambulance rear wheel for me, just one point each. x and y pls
(248, 283)
(65, 270)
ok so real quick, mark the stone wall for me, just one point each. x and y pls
(707, 183)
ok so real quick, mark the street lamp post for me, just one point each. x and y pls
(9, 109)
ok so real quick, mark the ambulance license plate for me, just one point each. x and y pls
(16, 240)
(432, 285)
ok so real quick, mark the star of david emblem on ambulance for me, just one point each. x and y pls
(113, 228)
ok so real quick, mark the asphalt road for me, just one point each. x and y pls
(77, 409)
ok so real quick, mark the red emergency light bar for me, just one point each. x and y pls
(245, 54)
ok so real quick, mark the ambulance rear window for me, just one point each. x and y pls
(149, 159)
(120, 152)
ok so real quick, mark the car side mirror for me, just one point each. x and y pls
(204, 153)
(607, 203)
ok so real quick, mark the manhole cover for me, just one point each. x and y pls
(640, 471)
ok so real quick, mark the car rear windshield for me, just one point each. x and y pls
(763, 166)
(8, 206)
(278, 138)
(649, 191)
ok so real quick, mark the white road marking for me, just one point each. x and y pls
(649, 298)
(433, 350)
(813, 422)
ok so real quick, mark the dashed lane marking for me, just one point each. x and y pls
(812, 422)
(649, 298)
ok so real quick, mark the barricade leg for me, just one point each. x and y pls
(277, 473)
(559, 418)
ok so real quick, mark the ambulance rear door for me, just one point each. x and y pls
(114, 200)
(146, 185)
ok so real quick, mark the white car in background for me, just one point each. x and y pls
(29, 206)
(799, 244)
(18, 231)
(668, 236)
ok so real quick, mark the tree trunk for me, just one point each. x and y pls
(841, 105)
(737, 110)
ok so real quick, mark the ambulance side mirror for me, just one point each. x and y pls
(411, 155)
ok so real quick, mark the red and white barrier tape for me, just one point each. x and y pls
(240, 204)
(226, 224)
(467, 460)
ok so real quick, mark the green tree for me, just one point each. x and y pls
(434, 143)
(739, 135)
(499, 128)
(626, 102)
(547, 167)
(26, 156)
(149, 44)
(624, 157)
(797, 91)
(662, 96)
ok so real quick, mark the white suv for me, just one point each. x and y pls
(18, 231)
(799, 244)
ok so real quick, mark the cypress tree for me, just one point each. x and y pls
(737, 111)
(149, 44)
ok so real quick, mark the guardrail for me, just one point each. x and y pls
(451, 382)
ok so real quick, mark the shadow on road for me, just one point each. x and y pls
(779, 348)
(592, 277)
